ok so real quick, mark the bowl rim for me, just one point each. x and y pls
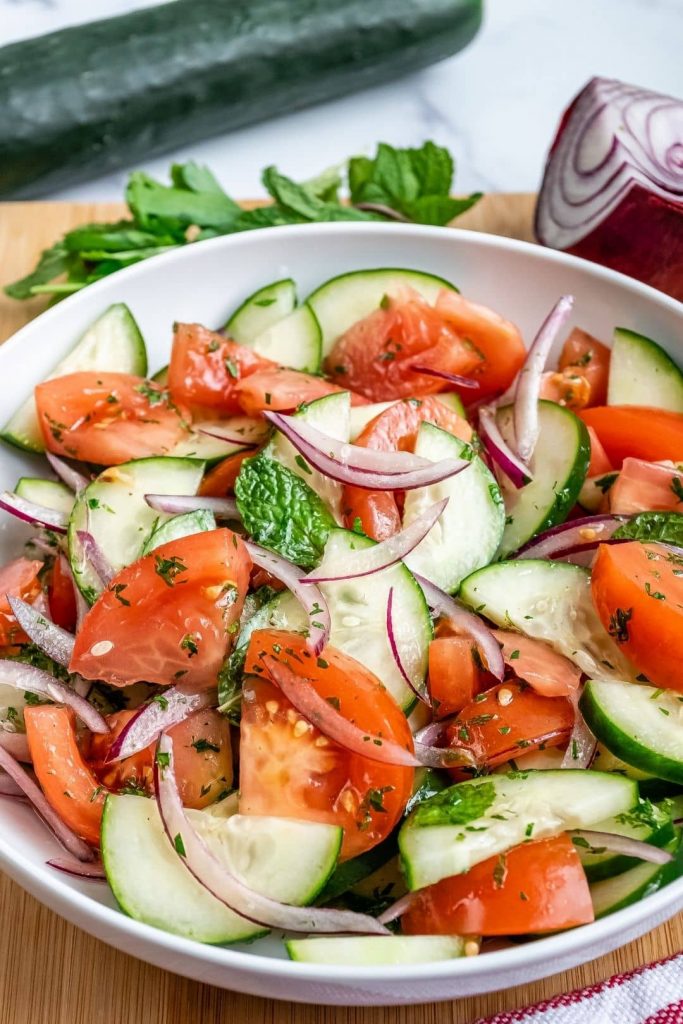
(50, 888)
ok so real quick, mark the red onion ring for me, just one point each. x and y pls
(16, 744)
(34, 680)
(624, 845)
(54, 641)
(94, 554)
(177, 504)
(156, 717)
(29, 512)
(67, 474)
(8, 787)
(499, 451)
(453, 378)
(254, 433)
(311, 598)
(420, 693)
(367, 561)
(69, 840)
(93, 870)
(227, 887)
(397, 909)
(525, 409)
(582, 743)
(583, 534)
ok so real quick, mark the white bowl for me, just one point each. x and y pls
(205, 282)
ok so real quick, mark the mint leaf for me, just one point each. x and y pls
(665, 527)
(53, 262)
(296, 198)
(154, 205)
(439, 210)
(280, 511)
(434, 169)
(457, 805)
(196, 178)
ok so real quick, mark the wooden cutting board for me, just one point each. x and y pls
(51, 971)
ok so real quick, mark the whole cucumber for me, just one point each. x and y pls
(95, 97)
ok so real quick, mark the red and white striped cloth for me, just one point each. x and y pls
(646, 995)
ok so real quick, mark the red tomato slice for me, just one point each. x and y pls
(282, 390)
(205, 368)
(455, 675)
(567, 387)
(61, 597)
(585, 355)
(537, 887)
(599, 463)
(646, 487)
(220, 480)
(392, 430)
(638, 593)
(108, 418)
(539, 665)
(509, 719)
(654, 435)
(18, 578)
(169, 616)
(288, 768)
(375, 357)
(70, 786)
(496, 341)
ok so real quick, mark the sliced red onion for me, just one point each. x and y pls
(94, 554)
(8, 786)
(311, 598)
(69, 840)
(366, 561)
(54, 641)
(177, 504)
(16, 744)
(363, 467)
(253, 432)
(420, 691)
(303, 696)
(29, 512)
(433, 734)
(94, 870)
(529, 378)
(163, 712)
(34, 680)
(624, 845)
(67, 474)
(583, 534)
(499, 451)
(453, 378)
(397, 909)
(444, 757)
(582, 743)
(227, 887)
(466, 622)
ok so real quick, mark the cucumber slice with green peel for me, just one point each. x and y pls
(351, 873)
(640, 724)
(112, 343)
(376, 950)
(474, 820)
(294, 341)
(50, 493)
(453, 401)
(361, 415)
(605, 761)
(467, 534)
(548, 601)
(641, 373)
(552, 757)
(646, 822)
(161, 376)
(287, 860)
(348, 298)
(113, 509)
(426, 783)
(211, 449)
(261, 311)
(559, 464)
(358, 609)
(183, 525)
(621, 891)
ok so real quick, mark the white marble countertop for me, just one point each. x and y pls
(495, 105)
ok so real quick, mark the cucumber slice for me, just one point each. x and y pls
(470, 528)
(180, 526)
(641, 373)
(640, 724)
(358, 609)
(288, 860)
(294, 342)
(631, 886)
(559, 464)
(551, 757)
(261, 310)
(362, 414)
(113, 509)
(646, 822)
(50, 493)
(351, 873)
(161, 376)
(376, 950)
(344, 300)
(112, 343)
(210, 449)
(605, 761)
(330, 414)
(548, 601)
(472, 821)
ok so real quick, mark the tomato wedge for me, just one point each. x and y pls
(393, 430)
(636, 431)
(455, 674)
(567, 387)
(108, 418)
(646, 487)
(205, 368)
(70, 786)
(376, 355)
(539, 665)
(599, 463)
(288, 768)
(282, 390)
(18, 578)
(61, 597)
(169, 616)
(508, 719)
(220, 480)
(538, 887)
(585, 355)
(638, 593)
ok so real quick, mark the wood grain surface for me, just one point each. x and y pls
(52, 973)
